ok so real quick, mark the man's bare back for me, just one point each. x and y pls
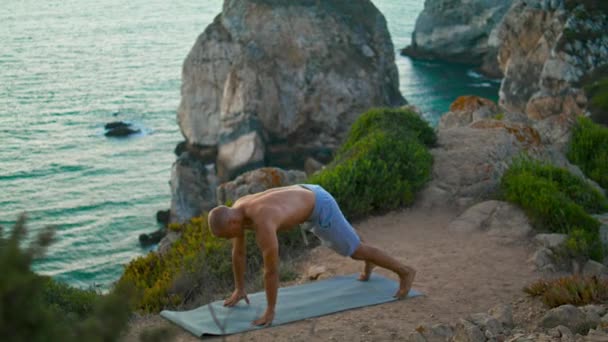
(287, 206)
(283, 208)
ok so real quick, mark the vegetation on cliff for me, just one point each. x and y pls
(36, 308)
(589, 149)
(557, 201)
(382, 164)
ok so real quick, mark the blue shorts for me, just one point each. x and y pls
(330, 225)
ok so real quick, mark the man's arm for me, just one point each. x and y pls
(267, 240)
(238, 270)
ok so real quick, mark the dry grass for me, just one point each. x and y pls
(575, 290)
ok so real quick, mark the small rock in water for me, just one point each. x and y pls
(119, 129)
(152, 238)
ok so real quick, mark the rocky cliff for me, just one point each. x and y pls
(271, 82)
(268, 74)
(548, 51)
(462, 31)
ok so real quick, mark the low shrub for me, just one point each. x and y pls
(557, 201)
(382, 164)
(36, 308)
(589, 150)
(402, 122)
(572, 290)
(197, 268)
(70, 302)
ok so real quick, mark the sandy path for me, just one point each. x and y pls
(460, 274)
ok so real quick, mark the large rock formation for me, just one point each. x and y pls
(274, 82)
(459, 31)
(546, 49)
(475, 146)
(294, 74)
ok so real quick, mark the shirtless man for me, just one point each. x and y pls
(278, 209)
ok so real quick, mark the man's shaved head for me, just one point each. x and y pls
(222, 221)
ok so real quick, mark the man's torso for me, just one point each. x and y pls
(283, 207)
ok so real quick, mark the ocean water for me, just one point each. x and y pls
(69, 67)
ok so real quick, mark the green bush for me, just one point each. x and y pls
(382, 164)
(69, 302)
(589, 150)
(401, 122)
(557, 201)
(36, 308)
(197, 268)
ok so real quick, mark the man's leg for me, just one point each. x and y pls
(373, 255)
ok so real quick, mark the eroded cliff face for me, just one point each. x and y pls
(546, 50)
(275, 74)
(273, 82)
(462, 31)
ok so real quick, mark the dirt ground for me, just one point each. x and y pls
(459, 274)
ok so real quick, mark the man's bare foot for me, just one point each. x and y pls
(405, 284)
(367, 271)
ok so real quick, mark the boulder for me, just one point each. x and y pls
(561, 332)
(594, 314)
(192, 188)
(435, 333)
(596, 335)
(500, 219)
(594, 268)
(466, 331)
(567, 315)
(467, 109)
(504, 314)
(552, 240)
(468, 165)
(290, 73)
(543, 259)
(459, 31)
(257, 181)
(470, 161)
(487, 323)
(474, 218)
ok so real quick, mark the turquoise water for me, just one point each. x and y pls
(69, 67)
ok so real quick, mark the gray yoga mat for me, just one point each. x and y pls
(293, 304)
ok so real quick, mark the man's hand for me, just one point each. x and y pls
(236, 297)
(265, 320)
